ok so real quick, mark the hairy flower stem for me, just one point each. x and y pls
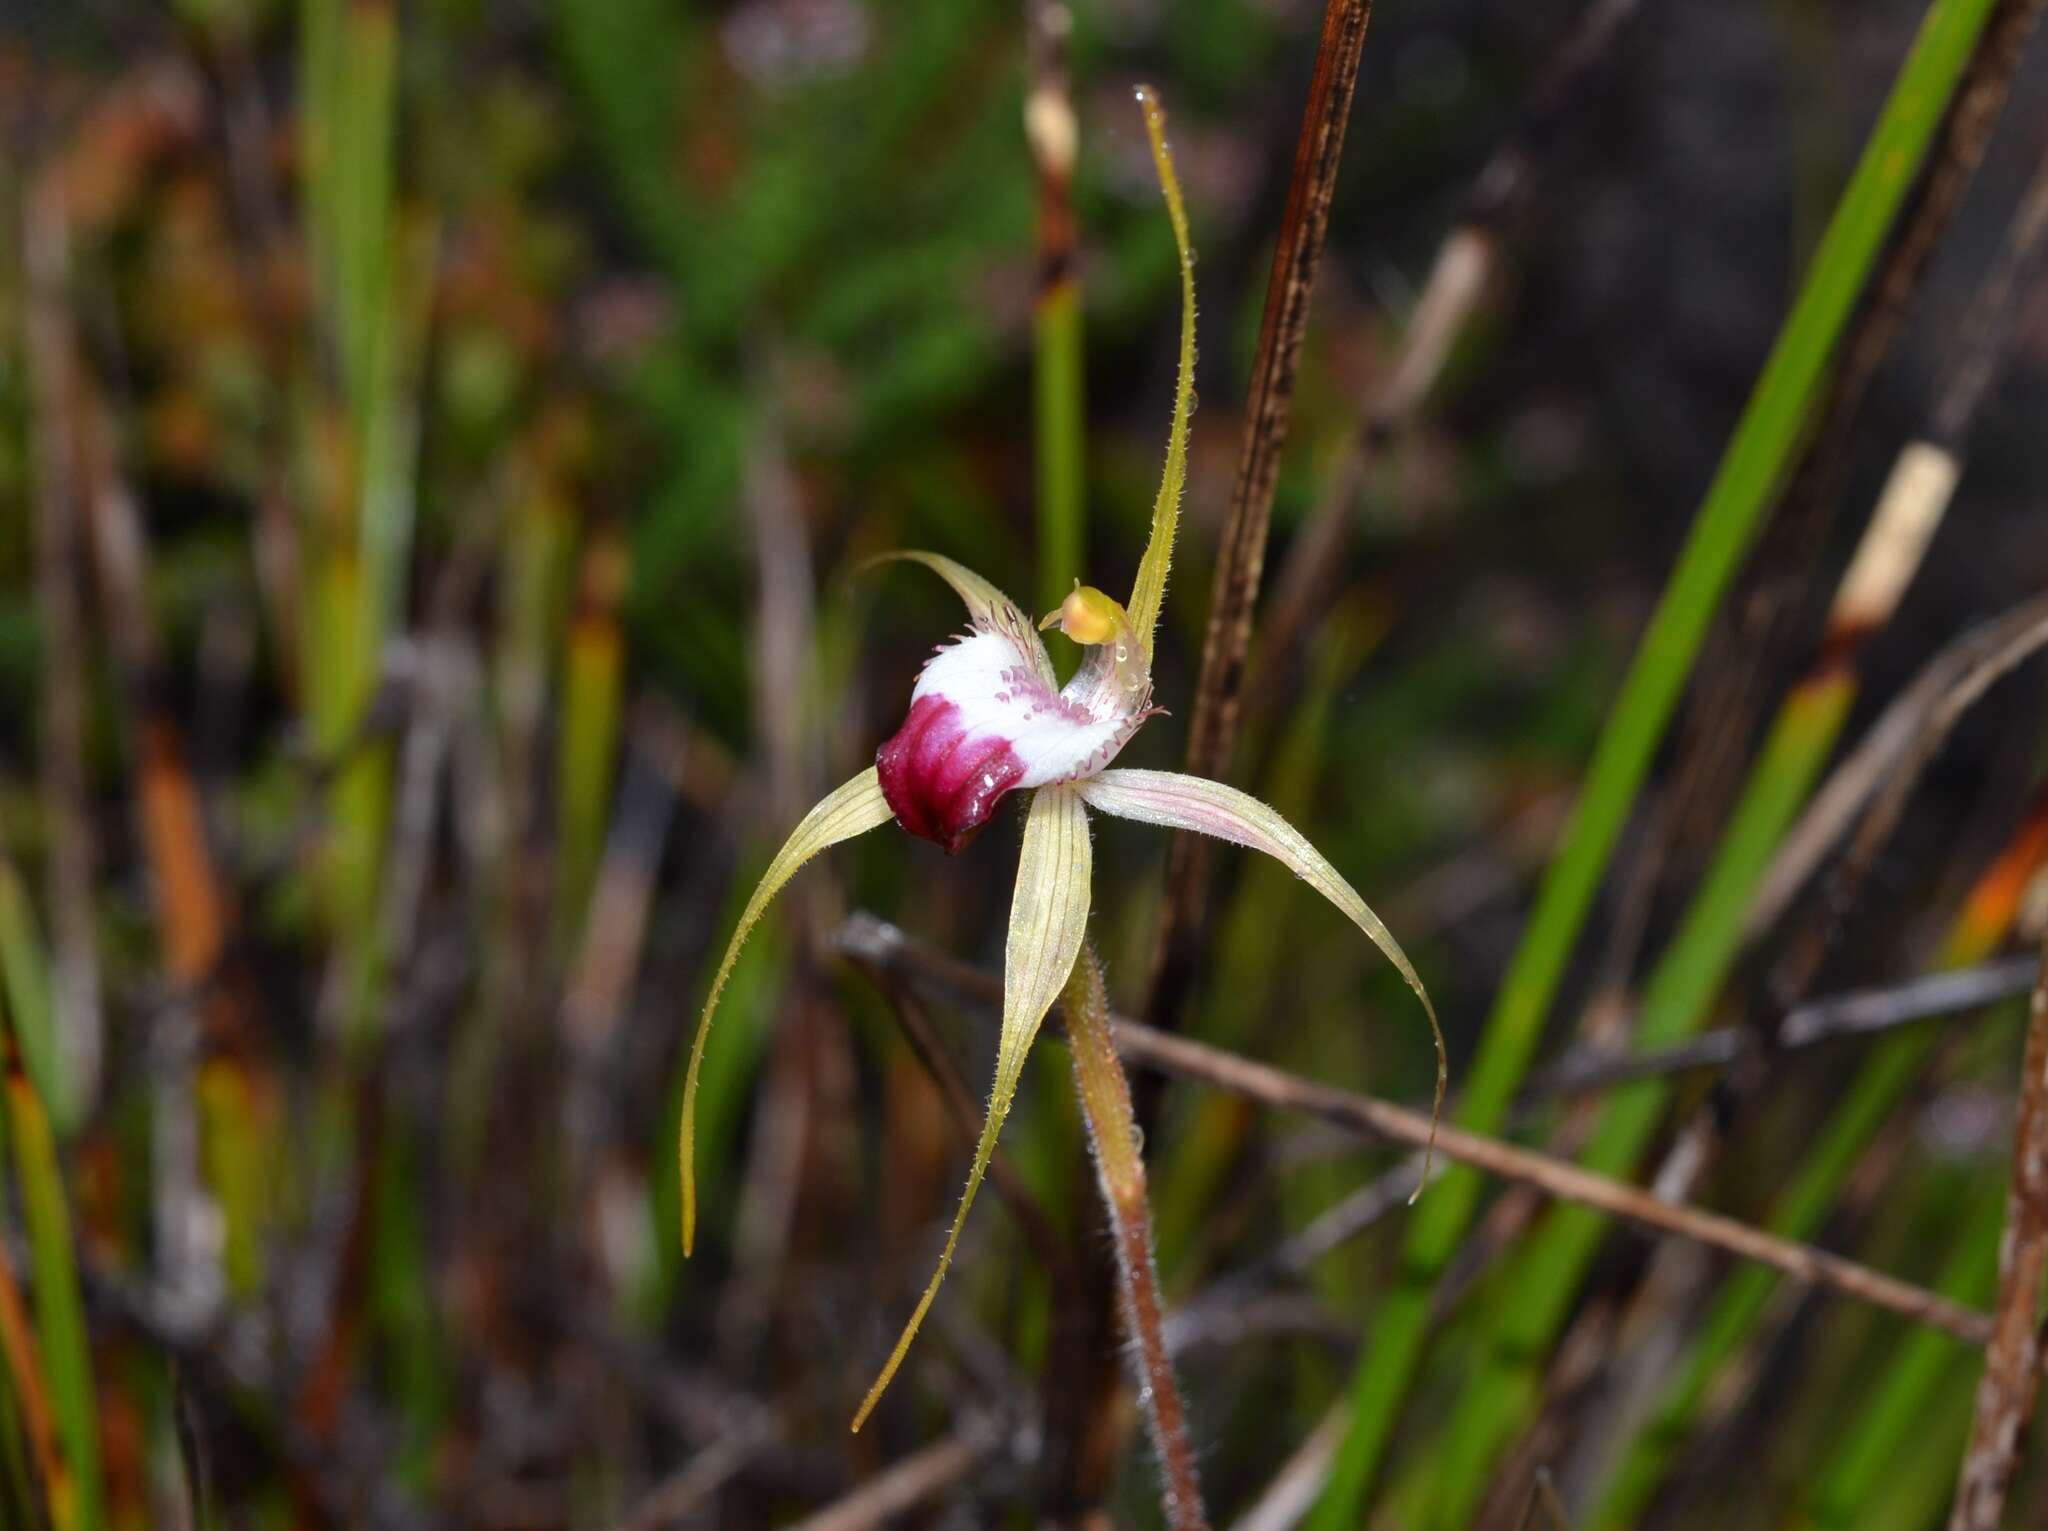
(1113, 1134)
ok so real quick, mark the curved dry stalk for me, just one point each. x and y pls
(1031, 1217)
(1556, 1178)
(1852, 1015)
(1893, 751)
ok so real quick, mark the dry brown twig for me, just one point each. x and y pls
(1459, 276)
(1857, 1014)
(1893, 752)
(1080, 1378)
(688, 1488)
(2005, 1393)
(1241, 553)
(875, 943)
(1543, 1497)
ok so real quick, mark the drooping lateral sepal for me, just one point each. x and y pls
(852, 809)
(1176, 801)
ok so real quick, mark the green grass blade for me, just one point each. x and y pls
(59, 1310)
(25, 982)
(1887, 1073)
(372, 290)
(624, 58)
(1677, 999)
(1842, 1494)
(1876, 1090)
(1750, 469)
(1057, 425)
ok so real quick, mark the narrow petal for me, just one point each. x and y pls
(852, 809)
(1210, 808)
(1149, 593)
(987, 607)
(1048, 918)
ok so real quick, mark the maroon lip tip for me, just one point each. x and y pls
(941, 782)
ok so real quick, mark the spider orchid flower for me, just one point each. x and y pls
(988, 718)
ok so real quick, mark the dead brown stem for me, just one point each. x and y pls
(1241, 555)
(614, 934)
(697, 1480)
(1555, 1178)
(1051, 131)
(2005, 1393)
(1458, 278)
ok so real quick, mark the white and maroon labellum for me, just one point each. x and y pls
(985, 720)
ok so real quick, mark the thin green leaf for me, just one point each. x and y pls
(26, 989)
(1048, 920)
(1810, 1193)
(852, 809)
(1757, 457)
(1677, 999)
(1149, 593)
(1207, 807)
(1843, 1491)
(61, 1332)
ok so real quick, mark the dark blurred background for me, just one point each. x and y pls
(437, 441)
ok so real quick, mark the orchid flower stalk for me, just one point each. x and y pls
(988, 718)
